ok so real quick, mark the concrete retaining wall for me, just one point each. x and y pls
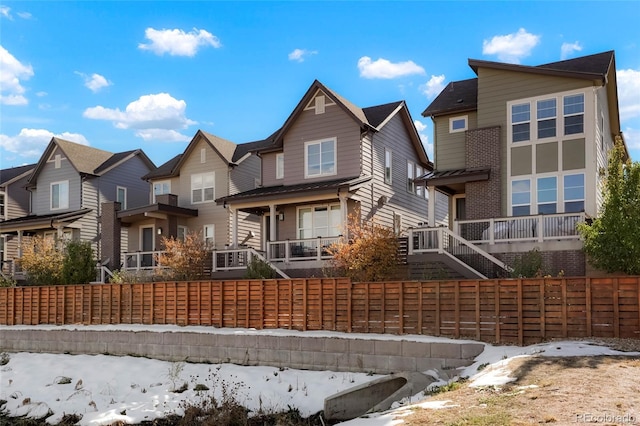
(310, 353)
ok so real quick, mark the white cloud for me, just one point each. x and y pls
(151, 115)
(32, 142)
(421, 127)
(11, 90)
(300, 54)
(6, 12)
(632, 139)
(383, 68)
(94, 82)
(628, 90)
(41, 94)
(434, 86)
(511, 47)
(24, 15)
(163, 135)
(567, 49)
(177, 42)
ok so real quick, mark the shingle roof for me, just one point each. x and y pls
(85, 159)
(13, 172)
(463, 95)
(164, 170)
(376, 115)
(244, 148)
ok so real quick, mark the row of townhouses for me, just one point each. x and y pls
(519, 154)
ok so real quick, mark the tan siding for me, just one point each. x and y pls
(17, 199)
(243, 176)
(49, 174)
(312, 127)
(449, 149)
(268, 174)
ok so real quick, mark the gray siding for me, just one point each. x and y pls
(311, 127)
(16, 199)
(243, 176)
(127, 175)
(48, 175)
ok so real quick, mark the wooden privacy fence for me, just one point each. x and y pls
(518, 311)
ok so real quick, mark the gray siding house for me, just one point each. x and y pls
(332, 159)
(180, 198)
(68, 186)
(519, 152)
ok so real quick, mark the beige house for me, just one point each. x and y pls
(331, 159)
(520, 153)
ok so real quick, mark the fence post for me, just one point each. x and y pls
(616, 309)
(401, 307)
(477, 288)
(456, 301)
(543, 320)
(563, 283)
(437, 324)
(520, 320)
(496, 295)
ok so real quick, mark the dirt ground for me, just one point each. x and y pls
(603, 390)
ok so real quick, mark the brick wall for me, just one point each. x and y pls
(571, 262)
(482, 150)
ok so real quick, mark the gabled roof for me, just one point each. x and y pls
(8, 175)
(164, 170)
(461, 96)
(86, 159)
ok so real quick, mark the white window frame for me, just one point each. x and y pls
(554, 190)
(419, 188)
(203, 155)
(511, 193)
(182, 232)
(209, 235)
(162, 184)
(202, 177)
(564, 190)
(123, 204)
(280, 165)
(573, 114)
(61, 205)
(454, 120)
(411, 172)
(57, 161)
(331, 227)
(549, 118)
(513, 123)
(307, 145)
(388, 166)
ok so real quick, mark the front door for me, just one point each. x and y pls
(147, 247)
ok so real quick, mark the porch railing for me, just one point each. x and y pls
(239, 259)
(537, 228)
(443, 241)
(140, 260)
(298, 250)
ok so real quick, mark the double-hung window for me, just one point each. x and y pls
(521, 197)
(121, 197)
(388, 159)
(208, 235)
(574, 193)
(573, 114)
(320, 158)
(202, 187)
(411, 168)
(160, 188)
(419, 188)
(547, 195)
(60, 195)
(546, 115)
(520, 122)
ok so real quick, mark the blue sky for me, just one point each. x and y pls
(123, 75)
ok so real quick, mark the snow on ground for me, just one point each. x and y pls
(105, 389)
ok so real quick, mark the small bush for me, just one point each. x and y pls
(131, 277)
(79, 266)
(6, 281)
(529, 265)
(42, 260)
(259, 269)
(184, 260)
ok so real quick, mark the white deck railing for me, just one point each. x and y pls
(140, 260)
(539, 228)
(298, 250)
(239, 259)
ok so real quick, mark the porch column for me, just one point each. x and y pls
(344, 219)
(432, 206)
(234, 224)
(272, 222)
(19, 244)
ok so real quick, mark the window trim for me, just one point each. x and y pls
(511, 192)
(452, 120)
(574, 114)
(306, 157)
(547, 203)
(545, 119)
(123, 204)
(564, 191)
(60, 205)
(204, 188)
(388, 166)
(280, 165)
(160, 182)
(313, 207)
(560, 189)
(411, 185)
(211, 226)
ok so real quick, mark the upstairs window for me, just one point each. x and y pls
(388, 159)
(574, 114)
(574, 193)
(410, 176)
(520, 122)
(320, 158)
(1, 207)
(279, 166)
(160, 188)
(60, 195)
(457, 124)
(121, 197)
(546, 115)
(419, 188)
(547, 195)
(202, 188)
(521, 197)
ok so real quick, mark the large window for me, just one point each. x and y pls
(547, 195)
(60, 195)
(573, 114)
(520, 122)
(279, 166)
(546, 115)
(388, 160)
(319, 221)
(202, 187)
(121, 197)
(521, 197)
(574, 193)
(320, 158)
(160, 188)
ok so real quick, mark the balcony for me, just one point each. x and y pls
(300, 250)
